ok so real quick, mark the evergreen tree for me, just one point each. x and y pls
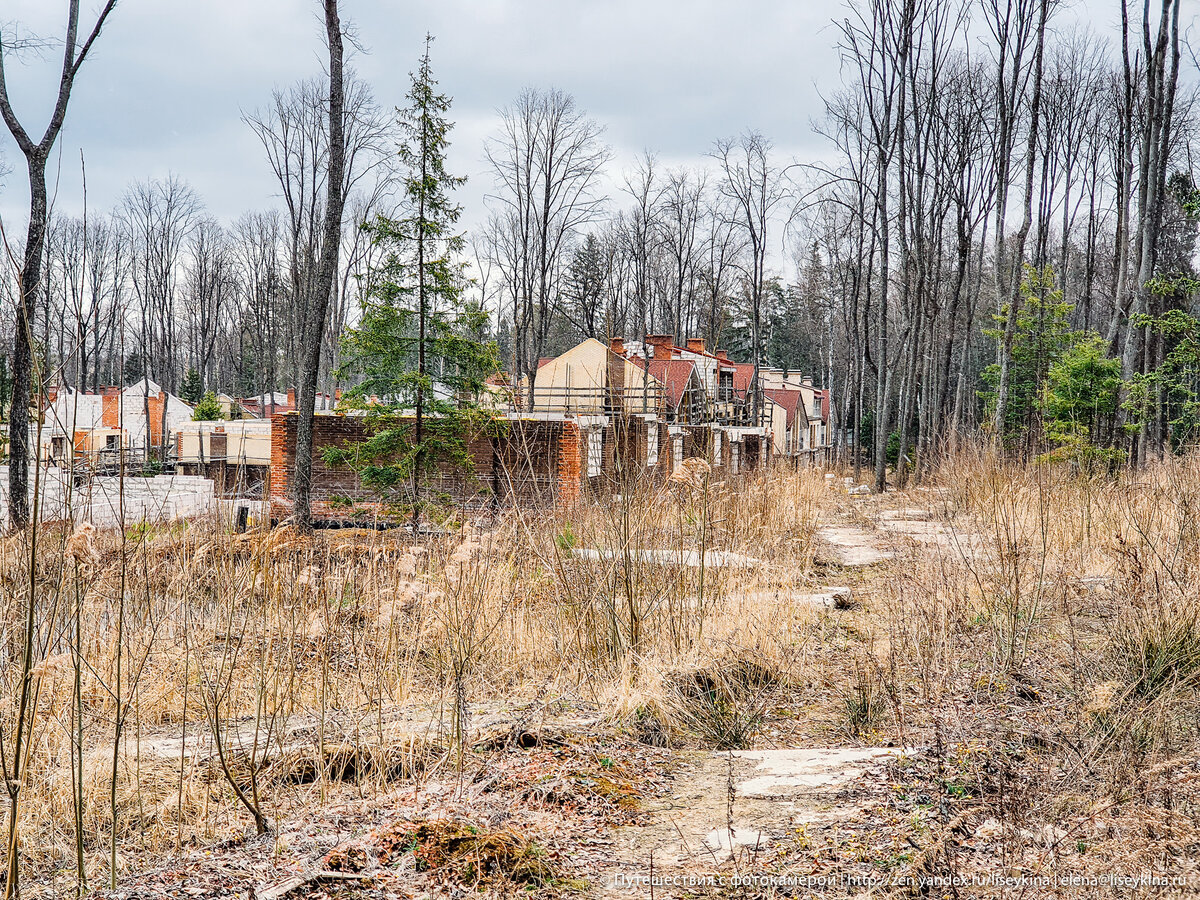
(584, 290)
(135, 368)
(192, 389)
(208, 409)
(1042, 333)
(418, 351)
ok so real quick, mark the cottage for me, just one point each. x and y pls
(591, 378)
(793, 436)
(97, 427)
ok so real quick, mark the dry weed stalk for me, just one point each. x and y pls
(273, 664)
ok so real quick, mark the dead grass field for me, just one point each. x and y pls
(474, 708)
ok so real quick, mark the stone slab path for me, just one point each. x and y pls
(852, 546)
(764, 795)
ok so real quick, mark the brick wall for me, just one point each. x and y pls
(283, 461)
(330, 484)
(526, 463)
(110, 408)
(155, 406)
(570, 464)
(531, 462)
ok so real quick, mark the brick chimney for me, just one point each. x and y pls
(110, 408)
(663, 344)
(696, 345)
(291, 400)
(617, 346)
(723, 355)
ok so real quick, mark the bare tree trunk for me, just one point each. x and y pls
(1160, 99)
(317, 305)
(1018, 253)
(35, 240)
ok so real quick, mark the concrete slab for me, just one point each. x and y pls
(852, 546)
(788, 773)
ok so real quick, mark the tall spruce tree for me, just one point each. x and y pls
(418, 350)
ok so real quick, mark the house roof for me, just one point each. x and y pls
(789, 400)
(673, 374)
(723, 364)
(743, 374)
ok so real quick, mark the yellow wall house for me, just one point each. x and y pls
(589, 378)
(242, 441)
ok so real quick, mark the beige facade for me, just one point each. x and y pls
(591, 379)
(244, 442)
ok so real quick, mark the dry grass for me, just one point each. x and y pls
(293, 650)
(1056, 617)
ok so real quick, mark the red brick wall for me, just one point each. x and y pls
(283, 461)
(533, 462)
(328, 482)
(110, 410)
(571, 464)
(526, 462)
(155, 405)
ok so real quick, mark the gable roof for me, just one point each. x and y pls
(674, 374)
(743, 374)
(789, 400)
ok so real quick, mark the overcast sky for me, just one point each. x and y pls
(166, 85)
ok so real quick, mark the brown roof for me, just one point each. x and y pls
(673, 374)
(788, 399)
(743, 374)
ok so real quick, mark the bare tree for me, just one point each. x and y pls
(682, 211)
(294, 133)
(1028, 21)
(874, 44)
(159, 218)
(642, 237)
(36, 154)
(546, 162)
(316, 303)
(752, 183)
(257, 249)
(1158, 80)
(208, 294)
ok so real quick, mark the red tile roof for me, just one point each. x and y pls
(673, 374)
(743, 374)
(788, 399)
